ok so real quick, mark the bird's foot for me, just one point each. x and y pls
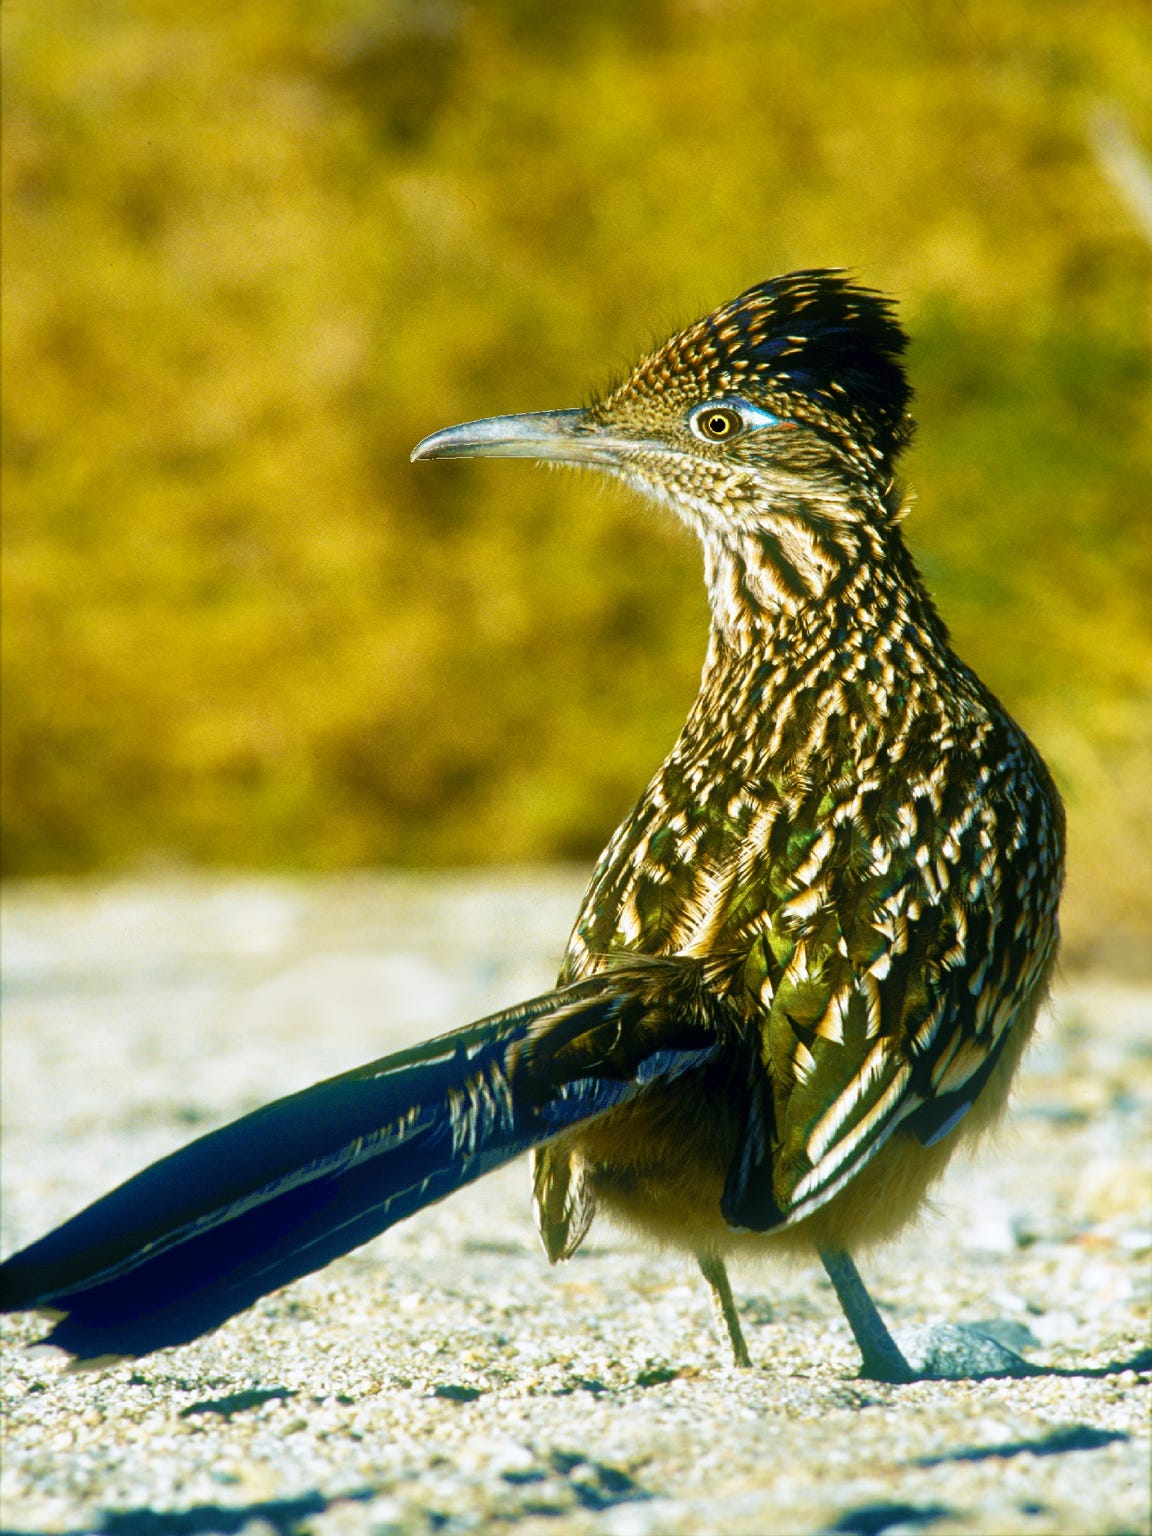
(946, 1352)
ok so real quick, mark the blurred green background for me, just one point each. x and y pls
(253, 252)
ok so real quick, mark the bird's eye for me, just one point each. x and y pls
(717, 423)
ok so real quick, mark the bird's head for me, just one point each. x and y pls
(771, 426)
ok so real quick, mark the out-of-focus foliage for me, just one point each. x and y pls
(254, 251)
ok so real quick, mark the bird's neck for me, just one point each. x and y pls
(781, 593)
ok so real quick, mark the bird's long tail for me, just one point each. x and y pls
(198, 1236)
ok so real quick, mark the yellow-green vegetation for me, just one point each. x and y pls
(255, 251)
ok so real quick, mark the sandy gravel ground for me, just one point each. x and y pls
(444, 1379)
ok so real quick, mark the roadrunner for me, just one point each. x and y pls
(809, 960)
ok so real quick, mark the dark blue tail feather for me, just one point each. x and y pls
(200, 1235)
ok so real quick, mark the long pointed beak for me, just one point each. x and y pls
(556, 436)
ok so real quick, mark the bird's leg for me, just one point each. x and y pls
(713, 1270)
(947, 1352)
(879, 1351)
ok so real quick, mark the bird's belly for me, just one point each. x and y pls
(659, 1166)
(663, 1190)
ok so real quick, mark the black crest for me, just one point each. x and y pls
(816, 337)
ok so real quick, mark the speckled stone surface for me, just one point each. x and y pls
(444, 1378)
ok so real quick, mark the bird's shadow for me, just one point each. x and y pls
(1140, 1361)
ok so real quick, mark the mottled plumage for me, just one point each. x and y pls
(850, 830)
(809, 960)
